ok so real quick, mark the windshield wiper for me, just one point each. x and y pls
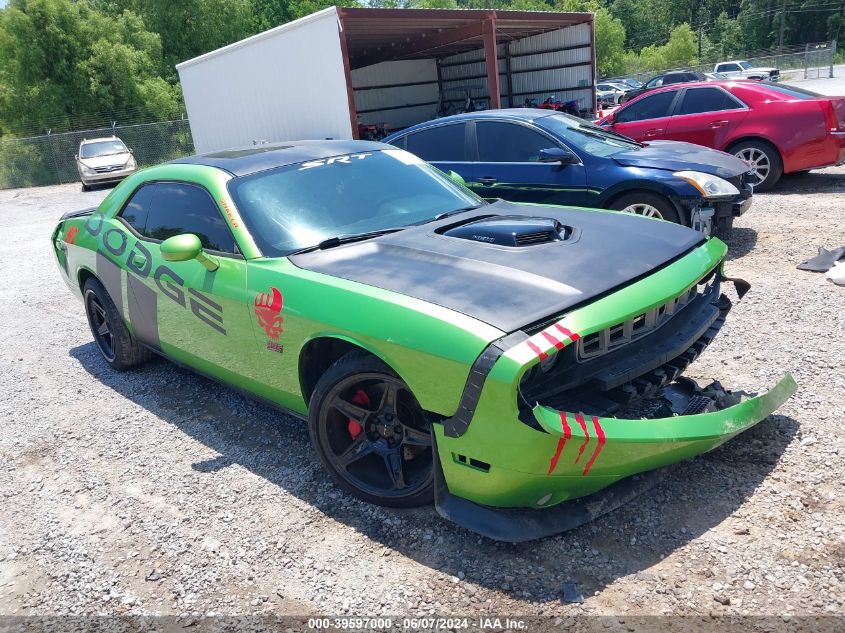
(600, 135)
(331, 242)
(448, 214)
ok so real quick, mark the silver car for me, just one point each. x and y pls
(104, 160)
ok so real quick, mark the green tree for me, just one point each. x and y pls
(67, 64)
(610, 44)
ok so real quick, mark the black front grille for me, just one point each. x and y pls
(637, 369)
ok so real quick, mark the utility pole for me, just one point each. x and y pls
(782, 26)
(699, 44)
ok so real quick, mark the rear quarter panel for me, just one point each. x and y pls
(796, 128)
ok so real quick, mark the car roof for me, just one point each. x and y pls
(96, 140)
(255, 158)
(515, 114)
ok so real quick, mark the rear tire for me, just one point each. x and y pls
(119, 348)
(647, 204)
(371, 434)
(763, 159)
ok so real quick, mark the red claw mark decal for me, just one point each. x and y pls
(567, 433)
(600, 437)
(551, 339)
(567, 332)
(535, 348)
(580, 420)
(268, 309)
(70, 236)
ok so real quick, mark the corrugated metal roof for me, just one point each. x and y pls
(377, 35)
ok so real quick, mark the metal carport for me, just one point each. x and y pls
(390, 64)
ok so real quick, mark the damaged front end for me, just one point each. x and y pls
(600, 406)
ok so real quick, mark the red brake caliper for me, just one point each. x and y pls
(360, 398)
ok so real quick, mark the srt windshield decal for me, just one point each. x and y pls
(344, 160)
(268, 309)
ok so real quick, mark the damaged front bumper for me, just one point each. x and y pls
(609, 450)
(532, 454)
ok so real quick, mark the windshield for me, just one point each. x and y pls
(745, 65)
(102, 148)
(299, 206)
(585, 136)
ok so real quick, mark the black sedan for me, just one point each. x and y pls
(675, 77)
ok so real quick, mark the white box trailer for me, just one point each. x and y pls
(322, 75)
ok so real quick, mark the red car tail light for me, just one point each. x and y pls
(831, 119)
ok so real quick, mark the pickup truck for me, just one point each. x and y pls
(744, 70)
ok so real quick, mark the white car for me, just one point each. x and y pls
(740, 69)
(611, 92)
(104, 160)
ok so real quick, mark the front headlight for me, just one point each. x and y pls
(130, 164)
(87, 171)
(709, 185)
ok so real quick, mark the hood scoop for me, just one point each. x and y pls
(509, 230)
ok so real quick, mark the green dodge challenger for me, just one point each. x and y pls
(514, 363)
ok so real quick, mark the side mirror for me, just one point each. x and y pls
(76, 157)
(457, 178)
(558, 155)
(609, 120)
(181, 248)
(130, 150)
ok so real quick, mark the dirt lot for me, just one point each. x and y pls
(156, 491)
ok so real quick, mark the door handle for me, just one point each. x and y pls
(487, 180)
(654, 131)
(715, 124)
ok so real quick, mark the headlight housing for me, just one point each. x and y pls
(87, 171)
(130, 164)
(709, 185)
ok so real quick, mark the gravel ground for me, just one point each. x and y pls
(159, 492)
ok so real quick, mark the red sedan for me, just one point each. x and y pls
(775, 128)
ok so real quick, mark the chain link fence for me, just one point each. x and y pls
(805, 61)
(50, 159)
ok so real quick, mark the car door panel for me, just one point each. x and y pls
(508, 166)
(647, 118)
(196, 316)
(706, 116)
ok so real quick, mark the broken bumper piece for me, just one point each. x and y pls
(622, 456)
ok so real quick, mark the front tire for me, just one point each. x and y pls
(763, 159)
(648, 204)
(371, 434)
(119, 348)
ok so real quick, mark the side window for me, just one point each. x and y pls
(509, 143)
(650, 107)
(655, 83)
(442, 143)
(729, 68)
(698, 100)
(135, 211)
(673, 79)
(182, 208)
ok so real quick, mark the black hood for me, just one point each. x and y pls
(588, 253)
(678, 156)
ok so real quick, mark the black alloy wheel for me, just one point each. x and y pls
(371, 433)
